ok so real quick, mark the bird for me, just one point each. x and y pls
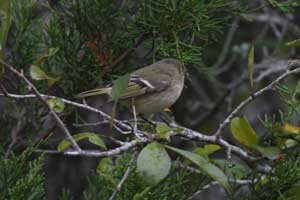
(153, 88)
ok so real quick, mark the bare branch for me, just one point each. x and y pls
(95, 153)
(42, 99)
(292, 64)
(79, 105)
(227, 43)
(185, 132)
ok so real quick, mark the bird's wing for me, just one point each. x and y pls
(139, 86)
(94, 92)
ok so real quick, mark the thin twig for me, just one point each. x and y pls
(91, 124)
(125, 176)
(38, 94)
(227, 43)
(95, 153)
(292, 64)
(69, 102)
(14, 135)
(187, 133)
(135, 132)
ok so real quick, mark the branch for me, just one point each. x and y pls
(292, 64)
(227, 43)
(188, 133)
(69, 102)
(40, 97)
(125, 176)
(213, 139)
(95, 153)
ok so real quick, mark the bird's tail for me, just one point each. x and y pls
(95, 92)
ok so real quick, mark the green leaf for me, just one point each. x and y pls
(119, 86)
(5, 19)
(232, 168)
(207, 149)
(153, 163)
(251, 64)
(105, 165)
(243, 132)
(205, 165)
(86, 135)
(37, 73)
(162, 130)
(95, 139)
(268, 152)
(294, 43)
(56, 104)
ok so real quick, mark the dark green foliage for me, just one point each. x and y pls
(182, 29)
(21, 177)
(91, 35)
(26, 34)
(282, 183)
(285, 5)
(179, 184)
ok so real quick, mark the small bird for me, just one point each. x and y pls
(154, 87)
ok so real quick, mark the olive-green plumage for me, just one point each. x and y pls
(153, 88)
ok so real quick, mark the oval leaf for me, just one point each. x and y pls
(243, 132)
(154, 163)
(205, 165)
(37, 73)
(87, 135)
(95, 139)
(56, 104)
(268, 152)
(119, 86)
